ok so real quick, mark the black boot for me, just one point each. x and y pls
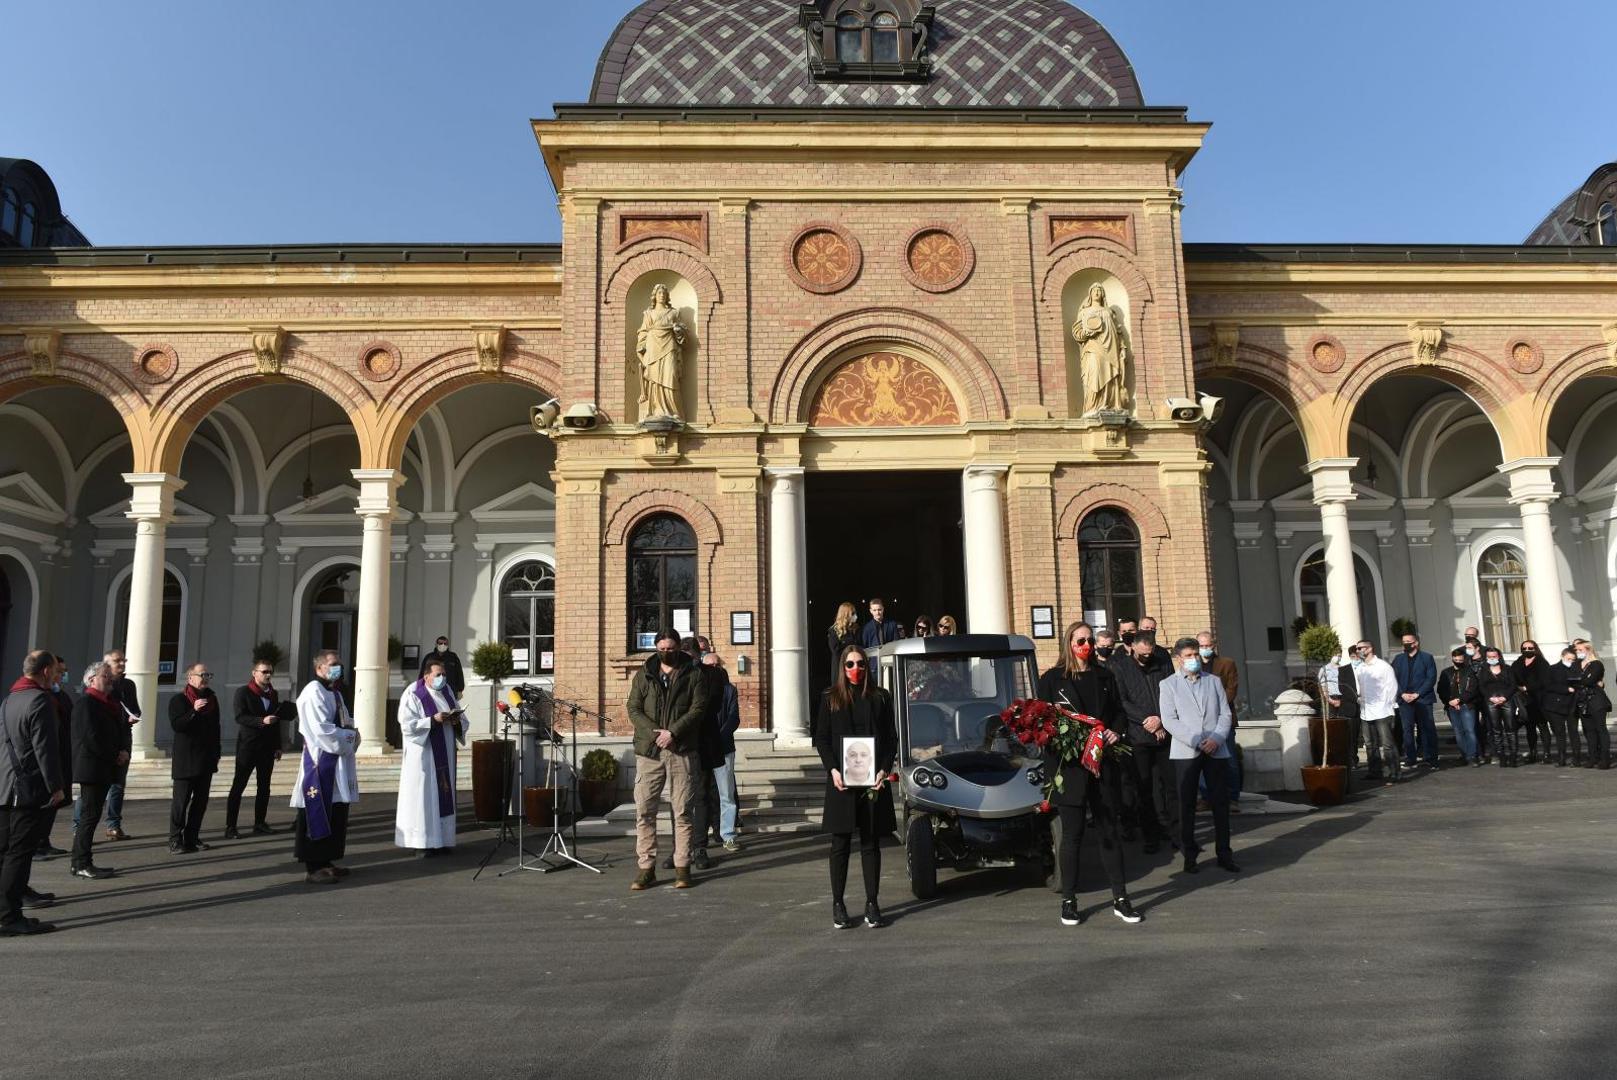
(839, 915)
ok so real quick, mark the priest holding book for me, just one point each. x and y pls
(327, 785)
(432, 723)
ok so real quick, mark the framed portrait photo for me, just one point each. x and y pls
(859, 761)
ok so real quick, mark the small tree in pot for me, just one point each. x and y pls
(1326, 783)
(598, 782)
(491, 660)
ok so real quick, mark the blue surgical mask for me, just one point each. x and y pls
(1193, 664)
(1207, 652)
(437, 682)
(334, 672)
(1358, 661)
(57, 686)
(1582, 655)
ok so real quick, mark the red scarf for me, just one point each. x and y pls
(98, 695)
(263, 692)
(193, 696)
(24, 683)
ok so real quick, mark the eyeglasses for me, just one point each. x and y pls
(262, 671)
(203, 674)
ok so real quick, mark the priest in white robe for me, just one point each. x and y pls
(328, 784)
(431, 723)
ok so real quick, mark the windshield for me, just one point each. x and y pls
(952, 703)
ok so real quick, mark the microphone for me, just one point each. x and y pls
(501, 707)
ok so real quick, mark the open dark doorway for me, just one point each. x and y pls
(895, 535)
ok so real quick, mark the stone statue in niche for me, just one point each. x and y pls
(1103, 354)
(661, 347)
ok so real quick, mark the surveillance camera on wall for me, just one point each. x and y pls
(581, 417)
(543, 417)
(1212, 407)
(1184, 411)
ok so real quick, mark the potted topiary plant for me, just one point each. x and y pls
(491, 758)
(598, 783)
(268, 652)
(1401, 626)
(1325, 783)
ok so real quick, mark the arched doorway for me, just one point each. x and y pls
(333, 615)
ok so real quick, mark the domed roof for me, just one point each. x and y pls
(1023, 54)
(1585, 217)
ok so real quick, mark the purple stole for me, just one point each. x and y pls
(439, 741)
(319, 782)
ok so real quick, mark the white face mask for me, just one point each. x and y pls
(1582, 655)
(1566, 661)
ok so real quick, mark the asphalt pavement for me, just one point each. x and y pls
(1459, 925)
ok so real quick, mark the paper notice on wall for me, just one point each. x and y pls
(682, 620)
(519, 657)
(547, 660)
(1096, 618)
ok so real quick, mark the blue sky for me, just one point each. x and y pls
(189, 122)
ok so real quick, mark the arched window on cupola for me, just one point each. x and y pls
(868, 40)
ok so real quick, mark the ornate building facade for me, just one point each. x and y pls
(853, 299)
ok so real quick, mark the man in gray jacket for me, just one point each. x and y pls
(31, 785)
(1197, 716)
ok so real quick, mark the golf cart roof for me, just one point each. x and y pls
(958, 645)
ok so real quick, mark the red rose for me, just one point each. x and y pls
(1044, 807)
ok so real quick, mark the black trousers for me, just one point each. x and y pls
(869, 860)
(20, 830)
(1099, 798)
(1216, 771)
(1151, 771)
(92, 799)
(1597, 735)
(704, 808)
(319, 854)
(1501, 732)
(185, 811)
(1538, 726)
(1565, 730)
(261, 762)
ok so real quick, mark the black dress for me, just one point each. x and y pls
(870, 716)
(1092, 693)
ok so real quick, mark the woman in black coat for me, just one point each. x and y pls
(842, 632)
(1593, 704)
(854, 707)
(194, 716)
(100, 745)
(1079, 684)
(1496, 685)
(1530, 669)
(1556, 692)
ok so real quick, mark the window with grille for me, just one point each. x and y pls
(662, 580)
(528, 617)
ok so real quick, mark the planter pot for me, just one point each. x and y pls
(491, 778)
(536, 806)
(1326, 786)
(597, 798)
(1341, 741)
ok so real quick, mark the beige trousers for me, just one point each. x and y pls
(678, 772)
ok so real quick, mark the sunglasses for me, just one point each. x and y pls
(851, 664)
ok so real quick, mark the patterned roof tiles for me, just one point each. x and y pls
(1027, 54)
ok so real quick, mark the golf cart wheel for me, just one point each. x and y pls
(922, 858)
(1055, 853)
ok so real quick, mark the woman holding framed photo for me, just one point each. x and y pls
(856, 740)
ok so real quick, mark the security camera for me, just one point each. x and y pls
(543, 417)
(581, 417)
(1184, 411)
(1212, 407)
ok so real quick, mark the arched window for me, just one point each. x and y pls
(850, 39)
(1608, 225)
(338, 589)
(884, 38)
(662, 580)
(25, 234)
(1502, 580)
(8, 212)
(168, 637)
(1109, 566)
(528, 617)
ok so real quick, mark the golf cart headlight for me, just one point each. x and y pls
(922, 778)
(1035, 775)
(939, 781)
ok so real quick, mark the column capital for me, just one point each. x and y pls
(1333, 479)
(786, 481)
(1532, 480)
(377, 488)
(151, 496)
(984, 475)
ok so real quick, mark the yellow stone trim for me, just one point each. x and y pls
(1384, 277)
(294, 326)
(1311, 318)
(305, 277)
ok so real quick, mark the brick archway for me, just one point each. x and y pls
(433, 380)
(1147, 518)
(636, 508)
(1481, 378)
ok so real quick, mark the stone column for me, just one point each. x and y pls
(1532, 490)
(1333, 490)
(151, 508)
(376, 508)
(788, 608)
(987, 589)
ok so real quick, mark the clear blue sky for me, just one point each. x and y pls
(190, 122)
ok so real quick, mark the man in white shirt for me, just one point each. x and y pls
(328, 785)
(1378, 705)
(431, 722)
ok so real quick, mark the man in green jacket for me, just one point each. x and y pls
(666, 704)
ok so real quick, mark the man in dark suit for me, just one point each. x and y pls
(453, 674)
(194, 716)
(1417, 693)
(1344, 699)
(31, 783)
(258, 747)
(100, 743)
(123, 688)
(1150, 791)
(880, 629)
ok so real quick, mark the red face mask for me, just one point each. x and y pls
(1083, 650)
(856, 675)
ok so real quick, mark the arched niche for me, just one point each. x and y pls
(1074, 295)
(682, 295)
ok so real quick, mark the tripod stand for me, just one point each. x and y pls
(557, 855)
(507, 834)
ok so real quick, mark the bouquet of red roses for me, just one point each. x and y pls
(1065, 734)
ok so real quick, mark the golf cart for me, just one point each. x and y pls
(968, 793)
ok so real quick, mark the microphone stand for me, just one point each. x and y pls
(557, 855)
